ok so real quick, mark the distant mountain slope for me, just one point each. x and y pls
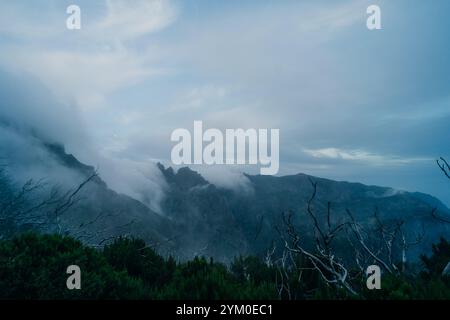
(200, 218)
(221, 219)
(98, 214)
(104, 214)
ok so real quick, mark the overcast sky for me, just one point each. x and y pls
(351, 104)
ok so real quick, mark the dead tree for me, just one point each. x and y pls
(323, 257)
(390, 238)
(36, 205)
(386, 246)
(444, 166)
(67, 201)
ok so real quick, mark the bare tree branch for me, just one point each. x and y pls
(325, 262)
(357, 231)
(444, 166)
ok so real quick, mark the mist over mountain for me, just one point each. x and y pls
(223, 220)
(198, 218)
(179, 212)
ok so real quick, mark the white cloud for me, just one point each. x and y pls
(85, 77)
(227, 177)
(141, 180)
(202, 97)
(20, 19)
(308, 68)
(360, 155)
(131, 19)
(89, 64)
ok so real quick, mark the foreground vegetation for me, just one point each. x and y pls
(33, 266)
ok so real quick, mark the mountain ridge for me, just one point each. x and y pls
(202, 219)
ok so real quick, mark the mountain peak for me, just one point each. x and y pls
(59, 153)
(184, 178)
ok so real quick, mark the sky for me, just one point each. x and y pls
(351, 104)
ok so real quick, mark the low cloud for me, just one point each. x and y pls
(30, 118)
(231, 178)
(126, 20)
(361, 155)
(345, 99)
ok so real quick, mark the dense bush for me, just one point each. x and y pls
(435, 264)
(34, 267)
(139, 261)
(200, 279)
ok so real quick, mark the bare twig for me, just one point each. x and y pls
(444, 166)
